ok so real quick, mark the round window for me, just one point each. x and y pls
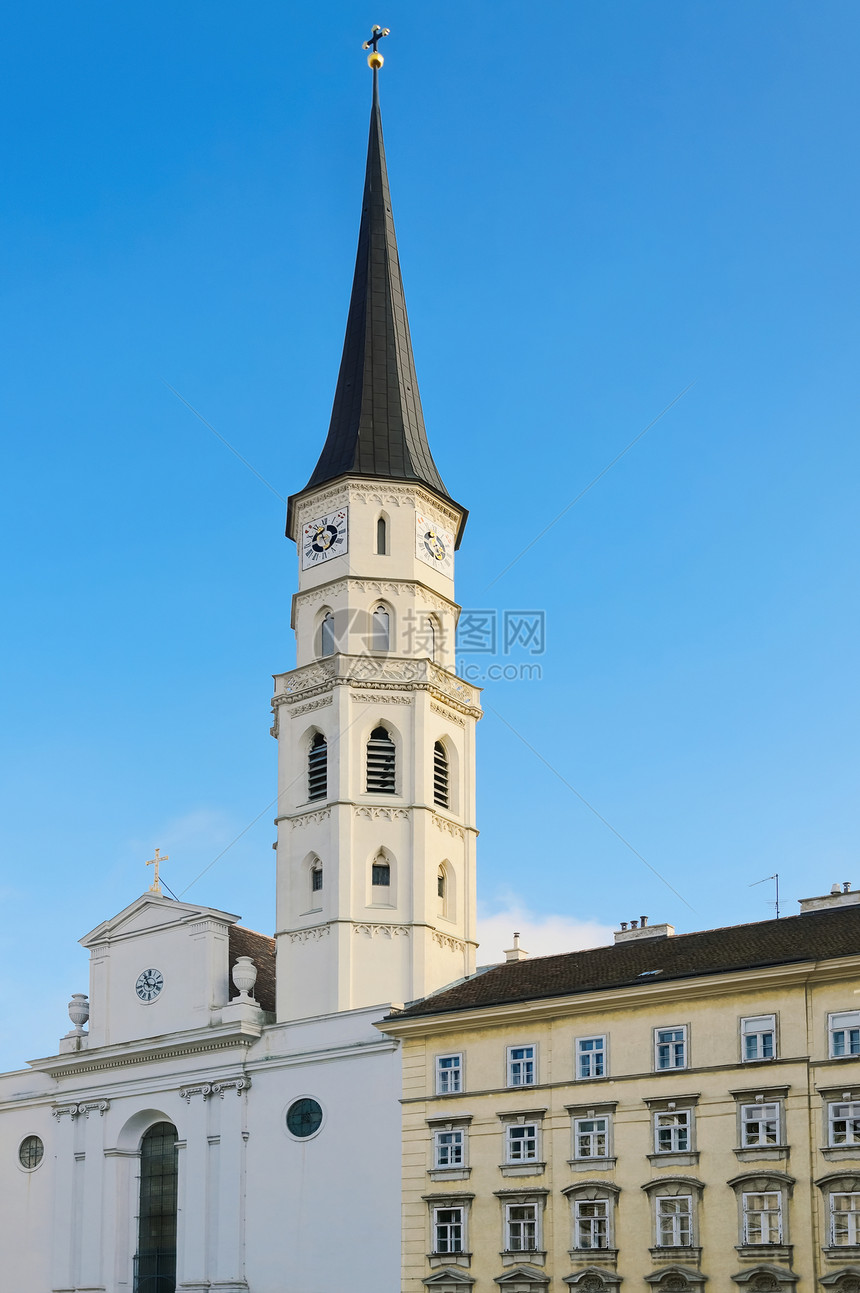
(304, 1118)
(31, 1152)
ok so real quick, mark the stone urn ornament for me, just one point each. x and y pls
(79, 1013)
(244, 977)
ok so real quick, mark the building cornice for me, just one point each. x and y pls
(170, 1046)
(388, 673)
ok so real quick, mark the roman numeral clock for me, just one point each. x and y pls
(324, 538)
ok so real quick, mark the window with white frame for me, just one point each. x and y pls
(758, 1037)
(672, 1131)
(762, 1217)
(591, 1137)
(760, 1124)
(590, 1057)
(449, 1230)
(670, 1048)
(674, 1220)
(449, 1148)
(522, 1065)
(521, 1227)
(521, 1142)
(591, 1223)
(843, 1120)
(449, 1074)
(844, 1034)
(845, 1220)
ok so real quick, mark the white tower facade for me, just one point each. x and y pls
(376, 780)
(376, 734)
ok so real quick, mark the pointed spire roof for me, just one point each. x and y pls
(377, 424)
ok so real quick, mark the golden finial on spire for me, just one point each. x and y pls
(155, 887)
(374, 58)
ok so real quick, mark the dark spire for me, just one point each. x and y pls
(377, 425)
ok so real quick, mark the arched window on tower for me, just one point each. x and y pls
(380, 873)
(327, 635)
(382, 536)
(155, 1261)
(318, 768)
(442, 891)
(381, 763)
(440, 775)
(316, 876)
(381, 629)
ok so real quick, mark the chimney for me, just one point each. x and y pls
(640, 929)
(840, 896)
(516, 953)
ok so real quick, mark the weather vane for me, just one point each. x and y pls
(374, 58)
(155, 887)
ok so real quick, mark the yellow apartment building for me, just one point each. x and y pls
(670, 1112)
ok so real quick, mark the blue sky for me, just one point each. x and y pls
(597, 205)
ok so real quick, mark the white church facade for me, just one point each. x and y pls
(230, 1118)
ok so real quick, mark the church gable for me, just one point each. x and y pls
(149, 912)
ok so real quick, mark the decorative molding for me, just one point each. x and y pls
(311, 935)
(308, 819)
(103, 949)
(386, 814)
(237, 1084)
(206, 927)
(86, 1107)
(388, 931)
(451, 828)
(219, 1088)
(377, 699)
(445, 712)
(186, 1092)
(399, 673)
(320, 703)
(448, 940)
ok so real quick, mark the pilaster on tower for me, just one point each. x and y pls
(376, 734)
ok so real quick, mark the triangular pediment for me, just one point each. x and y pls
(152, 911)
(447, 1277)
(519, 1275)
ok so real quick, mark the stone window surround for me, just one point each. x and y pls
(676, 1185)
(450, 1199)
(760, 1095)
(594, 1190)
(450, 1122)
(673, 1104)
(841, 1094)
(771, 1014)
(845, 1182)
(524, 1167)
(597, 1109)
(764, 1181)
(525, 1196)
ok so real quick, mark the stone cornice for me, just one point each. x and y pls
(380, 588)
(387, 673)
(382, 492)
(170, 1046)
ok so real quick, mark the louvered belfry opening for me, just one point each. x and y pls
(440, 775)
(155, 1261)
(381, 763)
(318, 768)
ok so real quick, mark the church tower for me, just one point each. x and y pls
(376, 734)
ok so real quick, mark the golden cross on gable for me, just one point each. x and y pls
(155, 887)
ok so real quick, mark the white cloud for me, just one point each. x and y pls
(541, 934)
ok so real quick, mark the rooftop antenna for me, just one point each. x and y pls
(775, 877)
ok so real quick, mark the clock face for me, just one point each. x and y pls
(325, 538)
(149, 984)
(434, 544)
